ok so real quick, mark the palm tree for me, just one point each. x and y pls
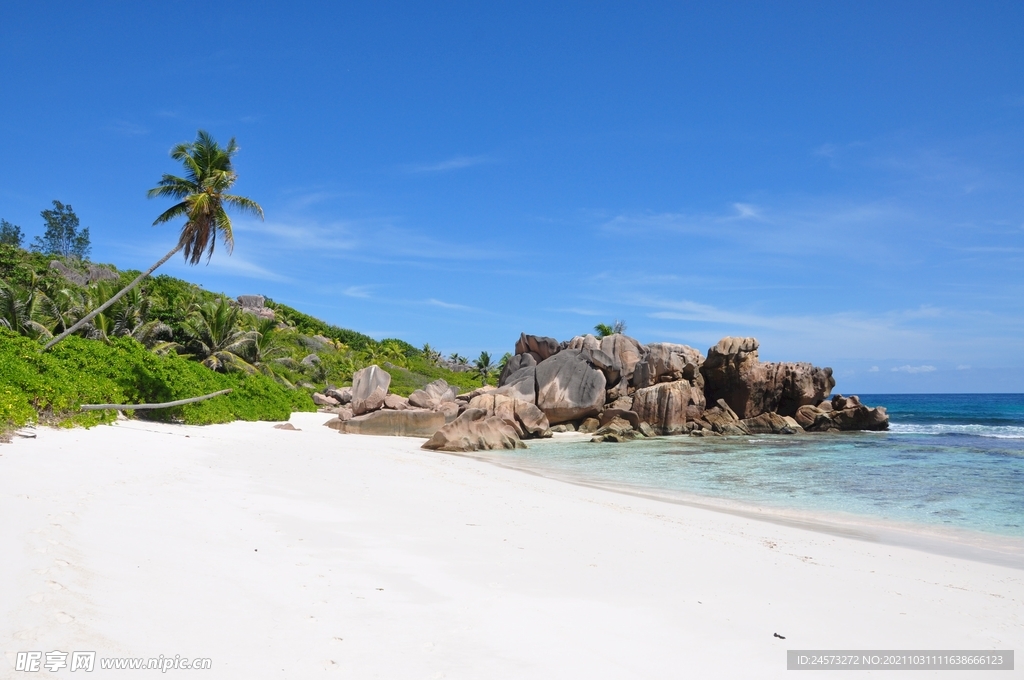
(603, 330)
(202, 200)
(216, 338)
(265, 353)
(483, 367)
(21, 310)
(431, 355)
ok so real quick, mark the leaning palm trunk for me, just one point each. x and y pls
(89, 317)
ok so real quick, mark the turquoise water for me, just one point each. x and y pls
(954, 461)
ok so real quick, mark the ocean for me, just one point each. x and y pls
(948, 461)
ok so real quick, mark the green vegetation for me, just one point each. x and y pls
(135, 339)
(50, 387)
(62, 236)
(169, 339)
(10, 234)
(603, 330)
(202, 197)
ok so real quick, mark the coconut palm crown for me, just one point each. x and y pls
(201, 201)
(202, 196)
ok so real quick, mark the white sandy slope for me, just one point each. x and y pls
(304, 554)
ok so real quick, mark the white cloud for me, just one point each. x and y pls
(746, 211)
(963, 367)
(455, 163)
(450, 305)
(873, 369)
(357, 291)
(913, 369)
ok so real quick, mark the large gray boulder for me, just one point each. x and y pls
(543, 347)
(521, 385)
(667, 407)
(569, 387)
(373, 402)
(626, 352)
(364, 382)
(668, 362)
(474, 430)
(517, 362)
(733, 372)
(409, 423)
(433, 395)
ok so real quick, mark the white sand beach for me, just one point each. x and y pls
(282, 554)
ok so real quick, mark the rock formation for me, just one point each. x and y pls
(369, 387)
(569, 387)
(674, 389)
(474, 430)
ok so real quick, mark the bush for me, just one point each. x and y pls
(50, 387)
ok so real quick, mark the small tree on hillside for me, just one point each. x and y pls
(10, 234)
(62, 236)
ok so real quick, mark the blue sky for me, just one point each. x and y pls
(844, 182)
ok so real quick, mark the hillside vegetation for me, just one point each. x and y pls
(170, 339)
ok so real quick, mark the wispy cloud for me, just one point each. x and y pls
(455, 163)
(357, 291)
(913, 369)
(127, 128)
(231, 265)
(450, 305)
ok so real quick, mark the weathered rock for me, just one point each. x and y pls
(807, 415)
(839, 402)
(517, 362)
(616, 430)
(468, 396)
(433, 395)
(286, 426)
(336, 424)
(587, 341)
(733, 372)
(342, 394)
(396, 402)
(605, 363)
(589, 425)
(526, 418)
(372, 403)
(668, 406)
(542, 346)
(474, 430)
(721, 418)
(568, 387)
(310, 360)
(451, 410)
(609, 414)
(324, 400)
(521, 385)
(668, 362)
(343, 414)
(861, 418)
(624, 402)
(626, 352)
(770, 423)
(364, 383)
(408, 423)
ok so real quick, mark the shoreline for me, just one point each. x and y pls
(301, 552)
(991, 548)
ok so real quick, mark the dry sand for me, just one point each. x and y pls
(283, 554)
